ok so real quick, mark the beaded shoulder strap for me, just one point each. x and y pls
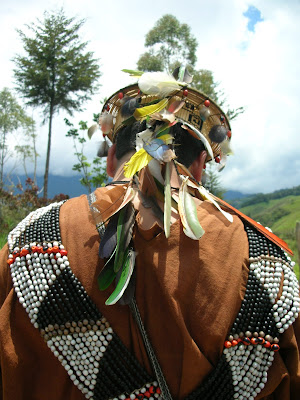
(94, 357)
(267, 310)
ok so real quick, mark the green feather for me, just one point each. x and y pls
(127, 269)
(167, 203)
(107, 275)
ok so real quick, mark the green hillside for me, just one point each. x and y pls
(281, 216)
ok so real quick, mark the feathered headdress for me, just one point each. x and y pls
(165, 98)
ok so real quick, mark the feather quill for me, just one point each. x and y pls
(200, 136)
(159, 83)
(167, 203)
(139, 160)
(127, 270)
(188, 213)
(143, 112)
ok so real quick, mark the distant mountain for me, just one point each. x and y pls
(234, 194)
(69, 185)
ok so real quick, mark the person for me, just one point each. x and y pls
(196, 300)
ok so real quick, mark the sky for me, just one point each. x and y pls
(252, 48)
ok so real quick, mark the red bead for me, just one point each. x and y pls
(63, 252)
(34, 249)
(39, 249)
(49, 250)
(139, 91)
(120, 95)
(261, 340)
(207, 103)
(185, 92)
(24, 252)
(107, 108)
(55, 249)
(151, 389)
(147, 394)
(217, 159)
(267, 344)
(234, 342)
(158, 391)
(227, 344)
(254, 340)
(275, 347)
(229, 134)
(246, 341)
(204, 166)
(10, 261)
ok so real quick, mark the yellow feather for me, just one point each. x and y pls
(167, 138)
(143, 112)
(138, 161)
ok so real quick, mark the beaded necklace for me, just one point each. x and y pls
(94, 357)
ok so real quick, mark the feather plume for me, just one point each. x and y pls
(188, 213)
(159, 150)
(158, 83)
(167, 203)
(128, 294)
(200, 136)
(109, 241)
(150, 202)
(103, 149)
(155, 170)
(206, 195)
(176, 106)
(143, 112)
(92, 129)
(133, 72)
(138, 161)
(124, 234)
(106, 122)
(143, 137)
(106, 276)
(127, 270)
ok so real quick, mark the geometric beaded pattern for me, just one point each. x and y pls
(57, 304)
(270, 305)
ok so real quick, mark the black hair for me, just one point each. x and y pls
(186, 147)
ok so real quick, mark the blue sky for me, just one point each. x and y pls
(254, 16)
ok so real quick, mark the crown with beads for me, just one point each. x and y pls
(158, 96)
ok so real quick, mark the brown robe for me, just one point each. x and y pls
(188, 292)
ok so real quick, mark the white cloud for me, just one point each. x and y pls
(258, 70)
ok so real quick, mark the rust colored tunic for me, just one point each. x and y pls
(189, 293)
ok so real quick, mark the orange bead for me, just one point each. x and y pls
(227, 344)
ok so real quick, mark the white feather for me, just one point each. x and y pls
(158, 83)
(141, 138)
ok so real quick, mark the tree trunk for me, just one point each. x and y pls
(48, 153)
(2, 156)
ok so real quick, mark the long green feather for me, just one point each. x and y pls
(107, 275)
(127, 270)
(167, 204)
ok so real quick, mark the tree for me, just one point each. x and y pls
(93, 174)
(28, 151)
(56, 72)
(212, 182)
(12, 117)
(170, 44)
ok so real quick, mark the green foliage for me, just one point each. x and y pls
(93, 174)
(280, 214)
(169, 43)
(56, 72)
(13, 208)
(12, 118)
(212, 182)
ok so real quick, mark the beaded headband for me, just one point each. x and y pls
(160, 97)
